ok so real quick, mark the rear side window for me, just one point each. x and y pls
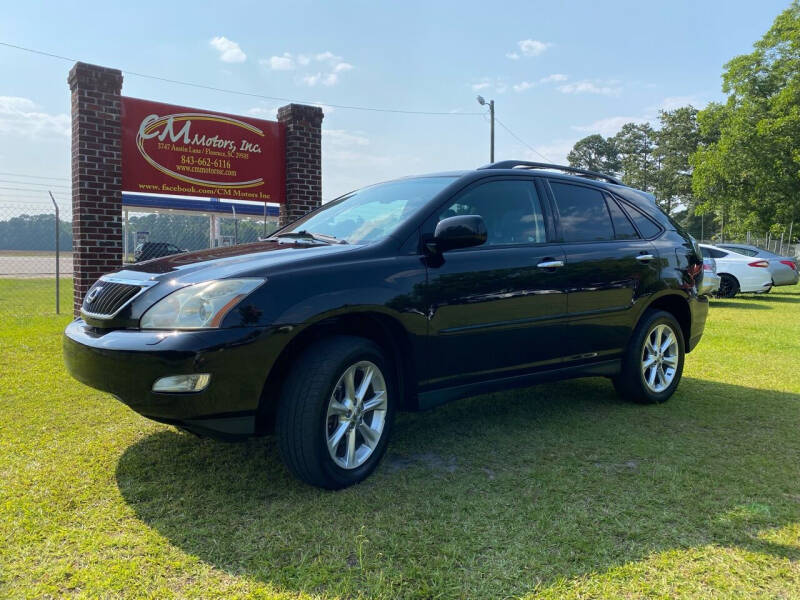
(644, 224)
(623, 229)
(743, 251)
(714, 253)
(582, 213)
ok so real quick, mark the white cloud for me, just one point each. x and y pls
(555, 151)
(263, 112)
(229, 51)
(22, 117)
(341, 67)
(611, 125)
(553, 78)
(522, 86)
(342, 137)
(328, 56)
(327, 73)
(487, 83)
(279, 63)
(532, 47)
(311, 80)
(609, 88)
(673, 102)
(512, 55)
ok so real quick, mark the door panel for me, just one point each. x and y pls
(492, 310)
(608, 266)
(605, 279)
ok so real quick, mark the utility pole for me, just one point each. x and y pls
(483, 102)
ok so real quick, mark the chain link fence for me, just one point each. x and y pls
(36, 242)
(152, 233)
(35, 250)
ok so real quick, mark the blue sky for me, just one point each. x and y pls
(557, 70)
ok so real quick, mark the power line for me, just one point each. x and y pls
(16, 189)
(47, 185)
(34, 176)
(521, 141)
(249, 94)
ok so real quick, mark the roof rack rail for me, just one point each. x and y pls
(511, 164)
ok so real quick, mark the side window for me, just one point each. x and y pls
(743, 251)
(715, 253)
(511, 210)
(582, 213)
(623, 228)
(644, 224)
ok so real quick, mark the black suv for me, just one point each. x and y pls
(148, 250)
(399, 296)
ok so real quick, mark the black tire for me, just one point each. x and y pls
(303, 417)
(630, 384)
(728, 286)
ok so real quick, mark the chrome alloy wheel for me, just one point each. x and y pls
(356, 415)
(660, 358)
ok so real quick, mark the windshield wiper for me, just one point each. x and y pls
(310, 235)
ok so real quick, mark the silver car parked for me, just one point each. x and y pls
(782, 268)
(711, 280)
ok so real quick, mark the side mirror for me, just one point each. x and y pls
(463, 231)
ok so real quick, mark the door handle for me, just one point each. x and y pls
(645, 257)
(550, 264)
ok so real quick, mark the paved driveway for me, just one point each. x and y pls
(20, 265)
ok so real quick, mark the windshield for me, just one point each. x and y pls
(373, 213)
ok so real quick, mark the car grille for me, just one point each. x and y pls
(107, 298)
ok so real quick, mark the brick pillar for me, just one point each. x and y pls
(96, 175)
(303, 160)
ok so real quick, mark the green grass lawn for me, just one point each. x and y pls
(557, 491)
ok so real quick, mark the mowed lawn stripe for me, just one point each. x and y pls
(555, 491)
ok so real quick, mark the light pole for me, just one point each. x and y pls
(483, 102)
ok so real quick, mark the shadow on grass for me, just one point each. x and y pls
(490, 496)
(775, 297)
(738, 304)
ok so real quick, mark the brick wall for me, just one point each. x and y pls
(303, 160)
(96, 175)
(97, 170)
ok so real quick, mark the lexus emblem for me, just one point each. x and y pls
(94, 294)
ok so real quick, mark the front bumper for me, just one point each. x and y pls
(126, 363)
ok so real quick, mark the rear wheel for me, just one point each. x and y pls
(728, 286)
(335, 412)
(653, 362)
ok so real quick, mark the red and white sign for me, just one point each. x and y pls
(169, 149)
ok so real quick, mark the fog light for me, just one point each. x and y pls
(195, 382)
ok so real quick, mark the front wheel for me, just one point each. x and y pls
(653, 362)
(335, 412)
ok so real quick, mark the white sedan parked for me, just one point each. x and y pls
(738, 273)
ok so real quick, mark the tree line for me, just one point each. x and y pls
(37, 232)
(734, 165)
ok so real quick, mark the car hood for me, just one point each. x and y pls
(245, 260)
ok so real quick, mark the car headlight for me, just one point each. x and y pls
(199, 306)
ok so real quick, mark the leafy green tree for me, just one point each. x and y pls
(676, 140)
(34, 232)
(750, 174)
(595, 153)
(636, 144)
